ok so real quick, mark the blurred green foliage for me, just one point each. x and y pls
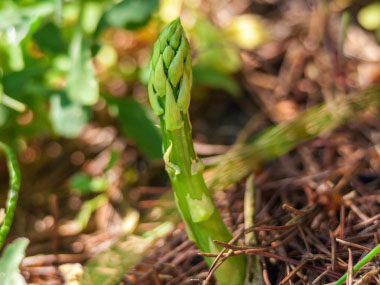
(46, 63)
(136, 123)
(129, 14)
(58, 57)
(10, 261)
(85, 184)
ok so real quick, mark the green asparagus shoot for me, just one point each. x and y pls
(169, 90)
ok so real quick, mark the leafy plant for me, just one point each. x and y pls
(169, 94)
(47, 55)
(129, 14)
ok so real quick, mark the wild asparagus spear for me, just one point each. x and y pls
(169, 94)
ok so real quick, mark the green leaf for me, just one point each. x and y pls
(10, 262)
(81, 183)
(18, 22)
(12, 57)
(129, 14)
(68, 118)
(15, 83)
(137, 125)
(215, 79)
(49, 38)
(114, 156)
(3, 115)
(214, 49)
(82, 85)
(86, 184)
(92, 13)
(88, 207)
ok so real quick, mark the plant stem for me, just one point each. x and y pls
(169, 91)
(279, 139)
(360, 264)
(10, 102)
(14, 186)
(203, 221)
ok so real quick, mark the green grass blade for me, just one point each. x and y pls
(360, 264)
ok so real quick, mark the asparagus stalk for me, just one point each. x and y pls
(277, 140)
(169, 95)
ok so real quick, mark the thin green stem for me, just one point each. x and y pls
(360, 264)
(10, 102)
(14, 186)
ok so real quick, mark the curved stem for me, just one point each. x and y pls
(14, 186)
(360, 264)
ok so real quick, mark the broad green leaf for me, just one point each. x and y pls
(68, 118)
(129, 14)
(18, 22)
(91, 15)
(82, 85)
(49, 38)
(137, 125)
(19, 29)
(15, 83)
(15, 25)
(10, 262)
(215, 79)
